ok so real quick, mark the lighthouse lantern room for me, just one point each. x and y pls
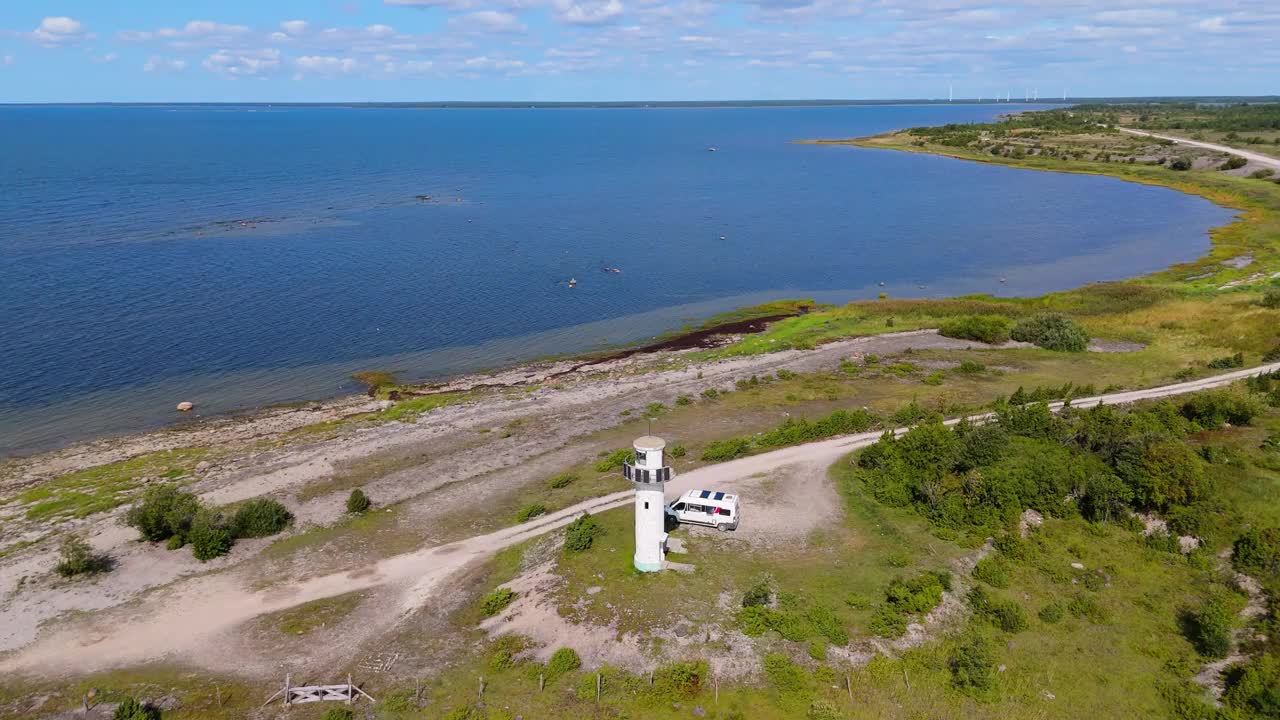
(648, 475)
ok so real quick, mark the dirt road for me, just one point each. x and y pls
(1259, 158)
(182, 619)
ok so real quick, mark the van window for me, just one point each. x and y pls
(678, 506)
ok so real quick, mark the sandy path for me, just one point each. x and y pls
(1259, 158)
(181, 621)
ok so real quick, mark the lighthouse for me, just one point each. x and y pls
(649, 475)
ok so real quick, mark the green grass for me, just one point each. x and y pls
(104, 487)
(315, 615)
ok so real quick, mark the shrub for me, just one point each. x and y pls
(1262, 174)
(358, 502)
(683, 400)
(722, 450)
(992, 572)
(971, 367)
(711, 393)
(1181, 164)
(615, 460)
(1209, 627)
(785, 374)
(209, 536)
(755, 620)
(677, 451)
(260, 517)
(654, 409)
(1255, 687)
(1004, 614)
(530, 511)
(973, 664)
(1050, 613)
(505, 651)
(1163, 474)
(563, 661)
(1052, 331)
(1105, 497)
(1212, 410)
(338, 713)
(992, 329)
(131, 709)
(163, 512)
(76, 557)
(680, 680)
(497, 601)
(581, 533)
(1235, 162)
(1271, 299)
(1227, 362)
(758, 594)
(562, 480)
(1257, 551)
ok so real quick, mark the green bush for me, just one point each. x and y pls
(722, 450)
(1255, 687)
(76, 557)
(1262, 174)
(131, 709)
(163, 512)
(1051, 613)
(497, 601)
(680, 680)
(973, 664)
(582, 533)
(1257, 552)
(530, 511)
(1004, 614)
(562, 480)
(1271, 299)
(562, 662)
(505, 650)
(210, 536)
(1209, 627)
(971, 367)
(758, 594)
(1227, 362)
(755, 620)
(1052, 331)
(338, 713)
(711, 393)
(677, 451)
(991, 571)
(1235, 162)
(1181, 164)
(615, 460)
(1212, 410)
(260, 517)
(358, 502)
(992, 329)
(683, 400)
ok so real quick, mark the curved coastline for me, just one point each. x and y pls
(1206, 273)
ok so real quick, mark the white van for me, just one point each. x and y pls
(706, 507)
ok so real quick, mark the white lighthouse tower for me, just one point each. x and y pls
(649, 475)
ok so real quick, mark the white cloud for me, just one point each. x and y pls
(104, 59)
(1213, 24)
(7, 60)
(447, 4)
(243, 63)
(488, 21)
(61, 30)
(380, 31)
(820, 55)
(294, 27)
(158, 64)
(325, 65)
(587, 12)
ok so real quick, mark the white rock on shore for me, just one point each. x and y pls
(186, 406)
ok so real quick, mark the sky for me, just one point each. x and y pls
(584, 50)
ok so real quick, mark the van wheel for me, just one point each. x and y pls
(722, 527)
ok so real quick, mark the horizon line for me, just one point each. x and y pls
(639, 103)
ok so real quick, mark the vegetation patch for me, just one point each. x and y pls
(992, 329)
(316, 614)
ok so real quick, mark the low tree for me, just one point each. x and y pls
(358, 502)
(260, 517)
(210, 535)
(163, 512)
(1052, 331)
(76, 557)
(973, 664)
(131, 709)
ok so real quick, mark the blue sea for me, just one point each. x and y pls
(246, 256)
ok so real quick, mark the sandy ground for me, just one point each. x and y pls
(1253, 157)
(188, 619)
